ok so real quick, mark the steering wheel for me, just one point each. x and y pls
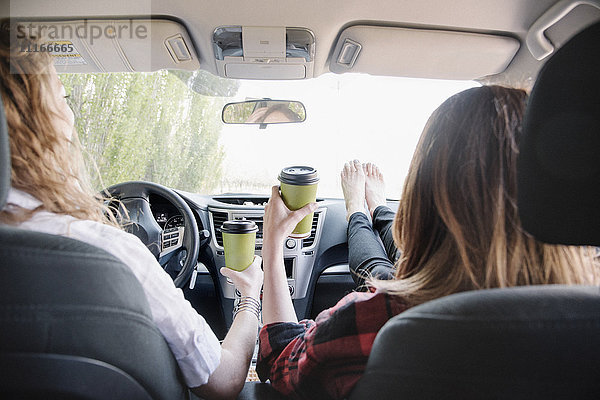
(176, 246)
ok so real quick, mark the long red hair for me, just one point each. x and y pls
(45, 162)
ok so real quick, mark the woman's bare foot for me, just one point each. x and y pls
(353, 186)
(374, 187)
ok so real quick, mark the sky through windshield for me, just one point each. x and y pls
(349, 116)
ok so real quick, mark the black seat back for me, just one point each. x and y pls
(74, 320)
(559, 160)
(528, 342)
(519, 343)
(44, 376)
(59, 296)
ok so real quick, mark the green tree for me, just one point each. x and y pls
(151, 126)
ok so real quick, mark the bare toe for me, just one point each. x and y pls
(375, 172)
(353, 187)
(374, 188)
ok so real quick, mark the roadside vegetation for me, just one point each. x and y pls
(151, 126)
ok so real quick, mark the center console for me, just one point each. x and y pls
(299, 254)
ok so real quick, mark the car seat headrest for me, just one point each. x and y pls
(5, 165)
(559, 160)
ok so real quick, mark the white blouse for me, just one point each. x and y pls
(193, 343)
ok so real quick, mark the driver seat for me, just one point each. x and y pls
(74, 320)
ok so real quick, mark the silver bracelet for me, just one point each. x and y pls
(254, 310)
(247, 303)
(248, 299)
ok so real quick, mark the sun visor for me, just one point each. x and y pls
(131, 45)
(259, 52)
(421, 53)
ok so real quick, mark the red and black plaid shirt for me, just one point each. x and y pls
(326, 357)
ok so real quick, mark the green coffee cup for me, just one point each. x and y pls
(239, 239)
(298, 188)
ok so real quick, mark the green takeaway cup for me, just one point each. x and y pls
(298, 188)
(239, 238)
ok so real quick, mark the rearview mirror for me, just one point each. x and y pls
(264, 112)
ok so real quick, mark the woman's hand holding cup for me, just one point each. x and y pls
(249, 281)
(279, 221)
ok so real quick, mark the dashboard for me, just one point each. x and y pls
(322, 257)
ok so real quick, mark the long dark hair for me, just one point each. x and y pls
(457, 225)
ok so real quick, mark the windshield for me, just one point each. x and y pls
(166, 127)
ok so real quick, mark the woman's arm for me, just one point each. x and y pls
(278, 224)
(326, 357)
(311, 359)
(227, 381)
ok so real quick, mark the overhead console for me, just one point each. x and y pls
(115, 45)
(264, 52)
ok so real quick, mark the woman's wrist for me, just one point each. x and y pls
(274, 241)
(248, 304)
(271, 252)
(254, 293)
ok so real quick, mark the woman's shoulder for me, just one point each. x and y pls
(93, 232)
(81, 229)
(114, 240)
(368, 305)
(370, 298)
(362, 298)
(351, 325)
(111, 238)
(79, 226)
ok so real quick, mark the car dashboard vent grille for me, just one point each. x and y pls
(243, 201)
(309, 241)
(258, 220)
(218, 218)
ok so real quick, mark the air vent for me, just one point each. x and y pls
(243, 201)
(218, 218)
(309, 241)
(258, 220)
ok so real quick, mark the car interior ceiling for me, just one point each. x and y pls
(528, 342)
(502, 25)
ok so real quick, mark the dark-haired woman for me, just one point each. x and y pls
(457, 228)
